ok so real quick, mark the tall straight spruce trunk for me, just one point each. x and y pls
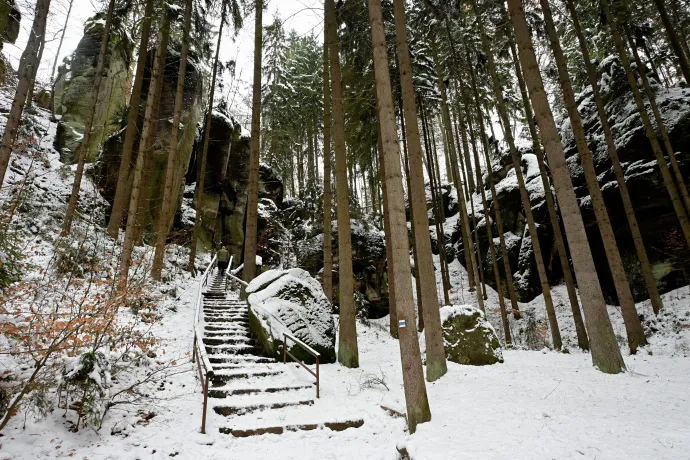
(633, 326)
(645, 265)
(250, 235)
(88, 124)
(165, 217)
(145, 144)
(123, 176)
(201, 163)
(327, 196)
(27, 63)
(605, 352)
(413, 380)
(348, 354)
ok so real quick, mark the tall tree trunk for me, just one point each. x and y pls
(677, 173)
(645, 265)
(673, 39)
(145, 142)
(250, 236)
(392, 308)
(55, 61)
(327, 200)
(30, 94)
(580, 330)
(201, 162)
(27, 63)
(86, 139)
(166, 213)
(348, 354)
(437, 200)
(605, 352)
(676, 200)
(123, 177)
(517, 166)
(413, 380)
(633, 326)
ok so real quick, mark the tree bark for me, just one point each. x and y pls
(55, 61)
(166, 213)
(633, 326)
(645, 265)
(348, 354)
(30, 94)
(673, 39)
(517, 166)
(668, 179)
(605, 352)
(144, 147)
(250, 235)
(580, 330)
(84, 146)
(415, 389)
(390, 271)
(327, 199)
(123, 177)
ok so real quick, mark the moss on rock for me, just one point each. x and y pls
(468, 336)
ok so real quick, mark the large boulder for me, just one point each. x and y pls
(74, 84)
(468, 337)
(291, 301)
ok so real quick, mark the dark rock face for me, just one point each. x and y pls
(75, 81)
(10, 20)
(108, 164)
(655, 214)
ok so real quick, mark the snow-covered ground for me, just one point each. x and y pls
(535, 405)
(538, 404)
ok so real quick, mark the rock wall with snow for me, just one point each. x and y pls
(658, 222)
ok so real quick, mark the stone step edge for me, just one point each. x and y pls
(333, 426)
(227, 411)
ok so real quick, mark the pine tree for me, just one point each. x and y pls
(250, 234)
(415, 390)
(88, 124)
(327, 199)
(605, 352)
(145, 144)
(166, 213)
(27, 63)
(123, 176)
(348, 354)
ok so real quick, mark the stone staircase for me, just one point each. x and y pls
(250, 394)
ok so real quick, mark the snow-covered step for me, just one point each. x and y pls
(293, 418)
(245, 403)
(217, 319)
(226, 339)
(209, 330)
(224, 375)
(247, 359)
(270, 387)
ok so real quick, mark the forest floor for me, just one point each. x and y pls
(538, 404)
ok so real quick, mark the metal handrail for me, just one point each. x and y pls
(227, 270)
(309, 350)
(198, 350)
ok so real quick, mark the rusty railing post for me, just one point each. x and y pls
(203, 416)
(284, 349)
(194, 349)
(317, 377)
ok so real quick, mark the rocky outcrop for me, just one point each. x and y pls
(107, 167)
(468, 338)
(291, 301)
(74, 84)
(10, 20)
(659, 226)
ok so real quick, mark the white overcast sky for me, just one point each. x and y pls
(304, 16)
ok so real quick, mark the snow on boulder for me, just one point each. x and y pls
(468, 337)
(291, 301)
